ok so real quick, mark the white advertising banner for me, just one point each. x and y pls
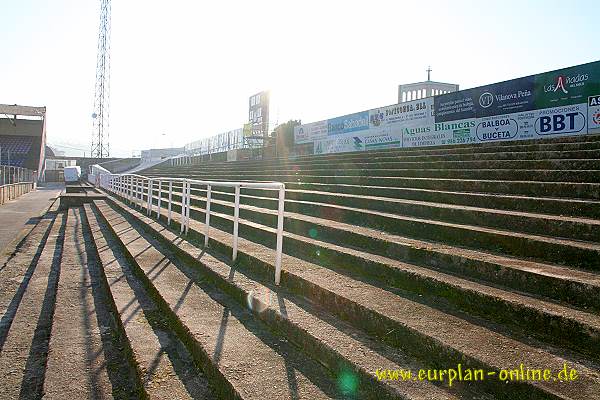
(308, 133)
(594, 114)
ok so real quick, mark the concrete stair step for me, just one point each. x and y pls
(378, 196)
(379, 166)
(569, 252)
(24, 347)
(538, 317)
(18, 267)
(417, 328)
(345, 351)
(368, 175)
(589, 191)
(527, 157)
(348, 208)
(84, 358)
(238, 354)
(580, 143)
(546, 205)
(165, 366)
(335, 240)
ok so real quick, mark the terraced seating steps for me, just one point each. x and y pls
(481, 256)
(515, 247)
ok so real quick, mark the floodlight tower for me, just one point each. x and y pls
(100, 143)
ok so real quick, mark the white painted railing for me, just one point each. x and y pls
(135, 187)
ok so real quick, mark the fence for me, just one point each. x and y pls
(14, 182)
(140, 191)
(10, 174)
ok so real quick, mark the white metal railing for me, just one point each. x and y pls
(135, 187)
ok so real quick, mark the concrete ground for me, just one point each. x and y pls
(18, 216)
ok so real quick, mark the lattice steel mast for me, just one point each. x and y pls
(100, 143)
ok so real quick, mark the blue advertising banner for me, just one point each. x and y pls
(348, 123)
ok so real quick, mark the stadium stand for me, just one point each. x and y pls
(468, 257)
(23, 137)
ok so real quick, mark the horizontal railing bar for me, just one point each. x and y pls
(256, 185)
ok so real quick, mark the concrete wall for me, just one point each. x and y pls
(14, 190)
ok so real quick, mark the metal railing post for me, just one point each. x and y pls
(236, 220)
(136, 193)
(279, 234)
(159, 198)
(187, 207)
(207, 220)
(150, 195)
(183, 202)
(141, 194)
(170, 199)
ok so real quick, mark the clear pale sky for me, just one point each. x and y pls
(187, 68)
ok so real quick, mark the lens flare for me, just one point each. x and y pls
(347, 382)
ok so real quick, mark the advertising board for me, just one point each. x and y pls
(557, 103)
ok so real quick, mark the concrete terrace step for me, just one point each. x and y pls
(325, 205)
(546, 205)
(573, 286)
(165, 366)
(238, 354)
(366, 175)
(589, 191)
(24, 348)
(569, 252)
(83, 361)
(380, 199)
(417, 328)
(528, 157)
(16, 272)
(539, 318)
(377, 197)
(581, 143)
(373, 166)
(338, 346)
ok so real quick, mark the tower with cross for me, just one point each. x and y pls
(421, 90)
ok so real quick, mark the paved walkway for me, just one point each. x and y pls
(23, 211)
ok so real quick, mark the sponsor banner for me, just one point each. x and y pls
(486, 101)
(382, 141)
(348, 123)
(560, 121)
(562, 102)
(308, 133)
(594, 114)
(441, 133)
(567, 86)
(409, 114)
(503, 127)
(340, 144)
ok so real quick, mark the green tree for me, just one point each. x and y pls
(285, 134)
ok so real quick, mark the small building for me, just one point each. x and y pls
(420, 90)
(55, 168)
(153, 155)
